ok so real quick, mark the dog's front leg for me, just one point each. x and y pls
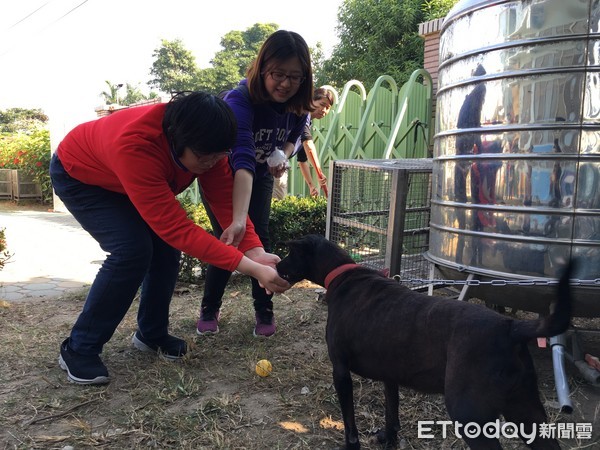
(389, 437)
(342, 381)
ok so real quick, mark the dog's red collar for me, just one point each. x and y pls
(338, 271)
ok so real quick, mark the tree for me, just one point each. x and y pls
(174, 68)
(435, 9)
(380, 37)
(21, 120)
(229, 65)
(134, 94)
(376, 38)
(111, 96)
(317, 59)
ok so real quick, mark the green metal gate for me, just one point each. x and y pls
(385, 123)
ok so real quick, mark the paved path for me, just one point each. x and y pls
(51, 255)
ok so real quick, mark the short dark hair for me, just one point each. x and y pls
(324, 93)
(279, 47)
(201, 121)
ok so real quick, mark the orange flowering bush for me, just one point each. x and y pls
(30, 153)
(4, 255)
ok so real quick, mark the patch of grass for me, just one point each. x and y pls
(210, 400)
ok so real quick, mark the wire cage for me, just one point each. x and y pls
(379, 212)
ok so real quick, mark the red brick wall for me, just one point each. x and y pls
(106, 110)
(430, 31)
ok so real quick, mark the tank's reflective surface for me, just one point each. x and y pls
(512, 21)
(516, 176)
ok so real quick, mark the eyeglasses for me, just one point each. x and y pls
(206, 161)
(280, 77)
(178, 94)
(211, 156)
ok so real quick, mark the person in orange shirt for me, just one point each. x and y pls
(323, 100)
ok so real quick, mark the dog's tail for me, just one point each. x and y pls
(556, 322)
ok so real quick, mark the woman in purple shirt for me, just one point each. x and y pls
(270, 106)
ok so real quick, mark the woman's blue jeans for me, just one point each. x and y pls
(136, 257)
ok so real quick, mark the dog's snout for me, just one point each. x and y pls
(281, 271)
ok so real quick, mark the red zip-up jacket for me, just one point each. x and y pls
(127, 152)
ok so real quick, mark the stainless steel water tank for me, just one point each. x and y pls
(516, 173)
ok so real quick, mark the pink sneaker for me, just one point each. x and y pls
(265, 323)
(208, 322)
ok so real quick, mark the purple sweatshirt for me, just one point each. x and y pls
(261, 129)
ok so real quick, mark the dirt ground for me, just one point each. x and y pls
(214, 399)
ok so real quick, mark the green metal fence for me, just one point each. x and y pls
(386, 122)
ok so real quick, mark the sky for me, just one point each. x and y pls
(57, 54)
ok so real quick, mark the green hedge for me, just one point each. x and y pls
(291, 218)
(294, 217)
(30, 153)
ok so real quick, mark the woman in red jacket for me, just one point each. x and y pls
(119, 177)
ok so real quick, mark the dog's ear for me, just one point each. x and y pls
(299, 245)
(305, 243)
(312, 239)
(289, 243)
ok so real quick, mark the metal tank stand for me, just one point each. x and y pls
(463, 291)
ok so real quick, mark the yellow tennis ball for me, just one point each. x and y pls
(263, 368)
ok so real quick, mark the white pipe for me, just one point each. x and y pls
(557, 343)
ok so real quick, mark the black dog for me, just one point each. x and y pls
(380, 329)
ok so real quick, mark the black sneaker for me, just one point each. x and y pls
(169, 347)
(82, 369)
